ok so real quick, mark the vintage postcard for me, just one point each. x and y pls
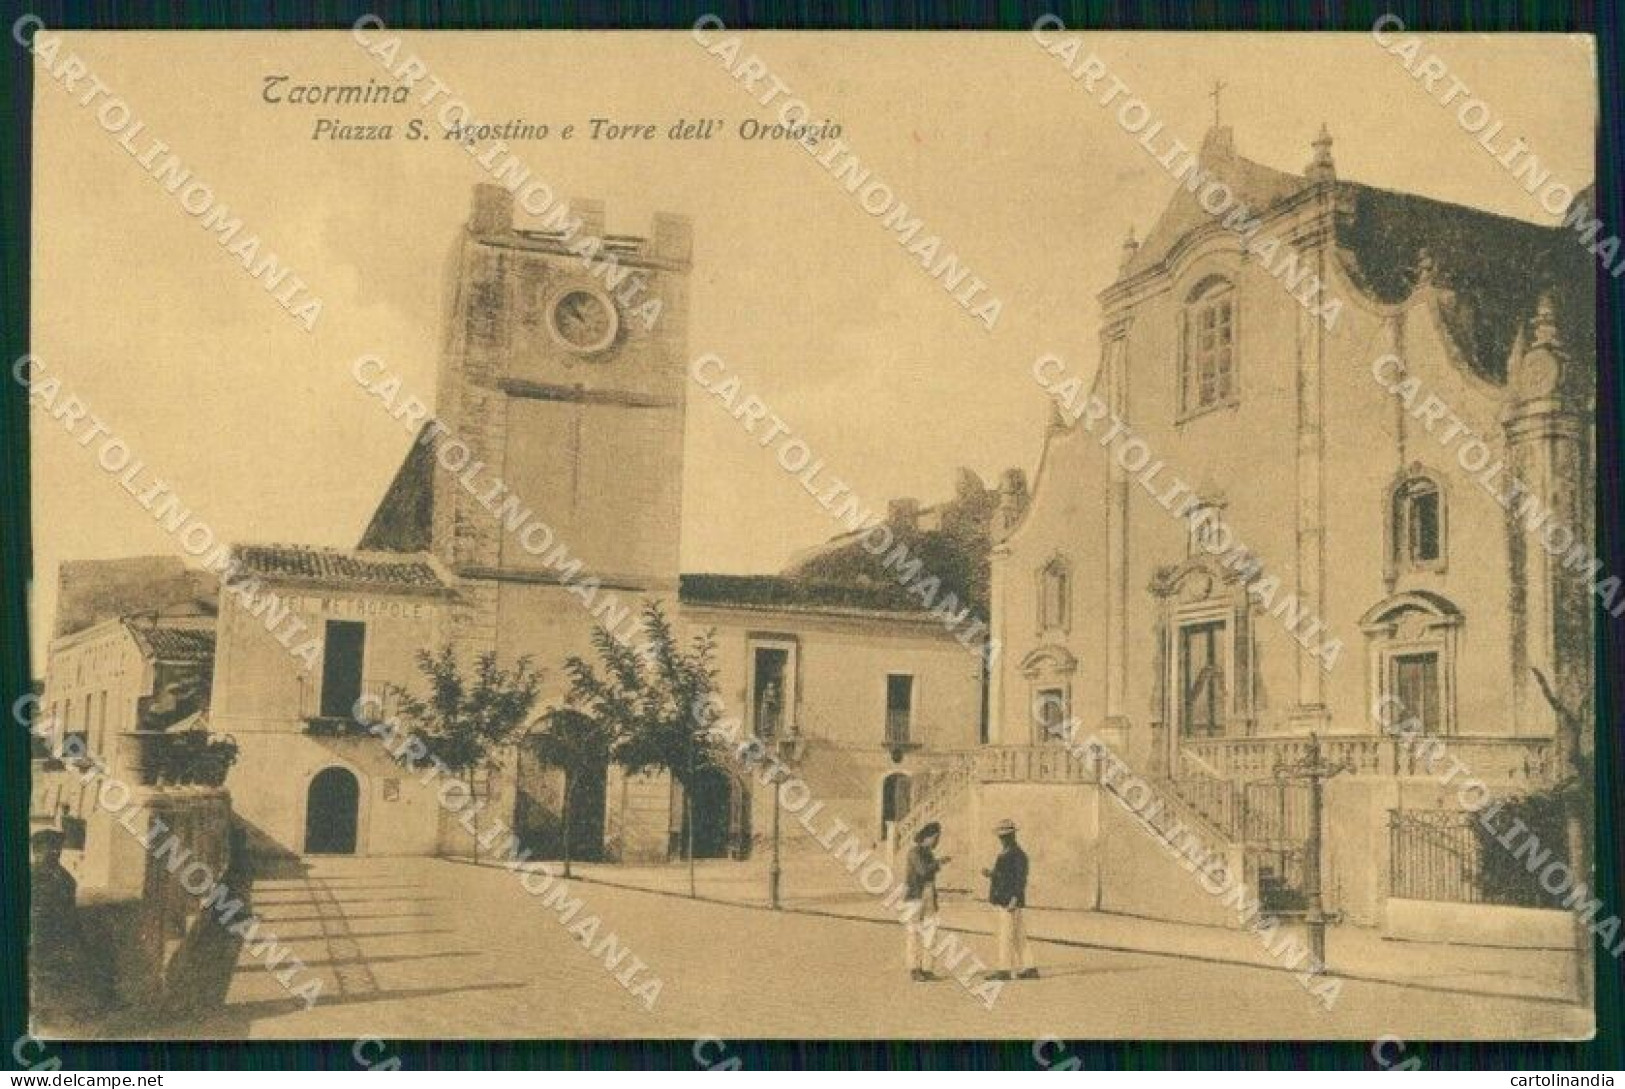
(709, 536)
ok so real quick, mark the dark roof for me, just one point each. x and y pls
(174, 644)
(1493, 268)
(404, 520)
(335, 567)
(779, 591)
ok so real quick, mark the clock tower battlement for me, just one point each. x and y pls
(564, 371)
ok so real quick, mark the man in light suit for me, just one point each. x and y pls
(1007, 892)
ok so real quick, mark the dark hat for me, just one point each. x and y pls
(1006, 827)
(931, 829)
(47, 837)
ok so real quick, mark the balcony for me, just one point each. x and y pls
(181, 758)
(899, 733)
(379, 700)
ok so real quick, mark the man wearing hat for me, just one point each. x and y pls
(920, 888)
(1007, 892)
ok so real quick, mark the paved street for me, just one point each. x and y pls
(433, 948)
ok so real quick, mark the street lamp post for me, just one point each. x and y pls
(773, 869)
(1314, 769)
(788, 749)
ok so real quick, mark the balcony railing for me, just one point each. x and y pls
(380, 698)
(899, 730)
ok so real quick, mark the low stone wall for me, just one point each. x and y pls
(1477, 924)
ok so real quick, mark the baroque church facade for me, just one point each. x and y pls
(1268, 518)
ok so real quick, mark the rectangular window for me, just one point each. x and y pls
(1418, 530)
(1416, 685)
(769, 690)
(1051, 711)
(1202, 685)
(899, 708)
(73, 741)
(1054, 594)
(343, 652)
(1425, 526)
(100, 738)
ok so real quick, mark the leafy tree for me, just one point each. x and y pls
(464, 721)
(640, 702)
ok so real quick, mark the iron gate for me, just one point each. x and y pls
(1275, 832)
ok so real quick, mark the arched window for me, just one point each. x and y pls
(1207, 356)
(1417, 524)
(1413, 637)
(1049, 671)
(1054, 596)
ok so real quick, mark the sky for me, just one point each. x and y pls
(260, 427)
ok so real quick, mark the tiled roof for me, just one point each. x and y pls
(777, 590)
(332, 566)
(174, 644)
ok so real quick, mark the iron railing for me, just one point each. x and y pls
(899, 727)
(1434, 855)
(381, 700)
(1445, 854)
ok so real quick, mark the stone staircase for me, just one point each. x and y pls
(1192, 816)
(935, 792)
(1214, 820)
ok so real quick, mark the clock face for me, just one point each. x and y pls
(584, 320)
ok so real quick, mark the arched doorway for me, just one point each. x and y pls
(331, 809)
(713, 813)
(896, 792)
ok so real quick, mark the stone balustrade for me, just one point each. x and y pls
(1033, 764)
(1498, 761)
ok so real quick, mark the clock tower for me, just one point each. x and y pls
(564, 373)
